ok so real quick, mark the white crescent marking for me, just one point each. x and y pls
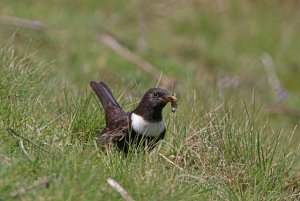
(146, 128)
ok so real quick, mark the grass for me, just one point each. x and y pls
(221, 144)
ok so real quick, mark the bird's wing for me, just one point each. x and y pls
(116, 130)
(116, 119)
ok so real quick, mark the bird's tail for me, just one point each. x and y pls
(104, 94)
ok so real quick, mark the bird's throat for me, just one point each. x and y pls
(148, 112)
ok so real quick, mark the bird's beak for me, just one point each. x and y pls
(168, 98)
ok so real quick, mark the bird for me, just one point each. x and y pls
(143, 127)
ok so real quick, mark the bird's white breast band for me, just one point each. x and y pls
(141, 126)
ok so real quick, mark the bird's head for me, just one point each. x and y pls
(152, 104)
(157, 97)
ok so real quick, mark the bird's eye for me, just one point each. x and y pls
(155, 94)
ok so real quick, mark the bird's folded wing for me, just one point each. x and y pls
(116, 128)
(111, 135)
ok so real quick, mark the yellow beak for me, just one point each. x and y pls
(168, 98)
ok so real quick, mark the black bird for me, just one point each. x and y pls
(142, 127)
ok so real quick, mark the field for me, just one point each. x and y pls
(234, 66)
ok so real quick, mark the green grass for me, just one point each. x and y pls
(221, 144)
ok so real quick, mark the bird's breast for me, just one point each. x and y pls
(141, 126)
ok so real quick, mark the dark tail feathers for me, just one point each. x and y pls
(104, 94)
